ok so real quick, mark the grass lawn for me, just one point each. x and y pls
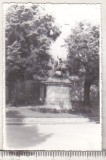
(33, 112)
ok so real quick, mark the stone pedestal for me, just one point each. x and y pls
(58, 94)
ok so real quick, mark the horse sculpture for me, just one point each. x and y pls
(60, 69)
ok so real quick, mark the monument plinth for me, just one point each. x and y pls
(58, 93)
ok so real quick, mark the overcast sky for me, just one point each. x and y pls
(66, 16)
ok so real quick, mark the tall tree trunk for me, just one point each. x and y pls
(87, 85)
(10, 87)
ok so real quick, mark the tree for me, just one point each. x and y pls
(29, 33)
(28, 38)
(83, 57)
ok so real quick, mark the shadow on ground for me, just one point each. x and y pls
(92, 112)
(14, 114)
(24, 136)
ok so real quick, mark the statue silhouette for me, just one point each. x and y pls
(60, 68)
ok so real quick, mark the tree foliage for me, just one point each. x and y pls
(83, 57)
(28, 38)
(83, 47)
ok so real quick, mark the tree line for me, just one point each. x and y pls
(29, 33)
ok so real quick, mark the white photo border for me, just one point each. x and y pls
(102, 63)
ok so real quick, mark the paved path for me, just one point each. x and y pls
(75, 133)
(54, 137)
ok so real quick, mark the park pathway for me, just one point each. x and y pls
(53, 137)
(76, 133)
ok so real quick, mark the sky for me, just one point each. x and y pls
(66, 16)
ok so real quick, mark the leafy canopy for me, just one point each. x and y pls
(29, 34)
(83, 50)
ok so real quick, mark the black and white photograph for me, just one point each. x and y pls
(52, 76)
